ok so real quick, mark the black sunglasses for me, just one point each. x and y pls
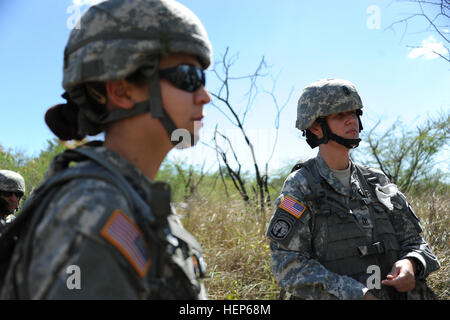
(9, 194)
(186, 77)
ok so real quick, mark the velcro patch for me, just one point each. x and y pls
(292, 206)
(121, 231)
(280, 229)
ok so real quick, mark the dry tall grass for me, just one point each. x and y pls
(433, 212)
(235, 249)
(238, 256)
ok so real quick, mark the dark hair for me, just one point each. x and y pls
(63, 119)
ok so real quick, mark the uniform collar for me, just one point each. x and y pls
(326, 173)
(140, 182)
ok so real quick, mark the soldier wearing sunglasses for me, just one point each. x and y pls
(100, 227)
(12, 188)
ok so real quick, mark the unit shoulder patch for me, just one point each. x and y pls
(280, 228)
(125, 235)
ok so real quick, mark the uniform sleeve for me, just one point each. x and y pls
(293, 263)
(412, 245)
(70, 259)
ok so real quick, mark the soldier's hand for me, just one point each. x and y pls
(369, 296)
(401, 276)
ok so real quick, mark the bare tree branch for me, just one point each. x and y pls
(432, 20)
(408, 157)
(235, 176)
(237, 114)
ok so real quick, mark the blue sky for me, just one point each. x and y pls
(302, 41)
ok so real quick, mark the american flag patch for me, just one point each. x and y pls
(292, 206)
(126, 236)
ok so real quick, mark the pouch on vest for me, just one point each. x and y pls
(184, 249)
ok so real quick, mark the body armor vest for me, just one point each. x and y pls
(347, 248)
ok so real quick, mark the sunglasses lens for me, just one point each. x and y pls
(9, 194)
(185, 77)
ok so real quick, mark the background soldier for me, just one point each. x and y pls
(336, 222)
(135, 70)
(12, 189)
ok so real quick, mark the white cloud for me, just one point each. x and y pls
(429, 50)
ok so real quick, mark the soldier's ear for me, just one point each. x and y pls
(316, 129)
(119, 94)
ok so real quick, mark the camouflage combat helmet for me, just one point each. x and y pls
(115, 38)
(322, 98)
(11, 181)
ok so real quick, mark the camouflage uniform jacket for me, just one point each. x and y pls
(297, 243)
(90, 226)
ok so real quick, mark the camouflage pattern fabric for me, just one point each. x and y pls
(118, 37)
(71, 233)
(296, 242)
(325, 97)
(11, 181)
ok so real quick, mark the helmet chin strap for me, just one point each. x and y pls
(328, 135)
(348, 143)
(153, 105)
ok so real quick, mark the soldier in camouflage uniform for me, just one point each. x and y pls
(12, 189)
(102, 229)
(341, 230)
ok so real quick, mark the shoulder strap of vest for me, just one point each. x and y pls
(368, 179)
(298, 165)
(366, 172)
(312, 175)
(134, 200)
